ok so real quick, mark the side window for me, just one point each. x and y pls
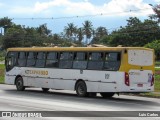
(80, 60)
(31, 59)
(112, 61)
(65, 60)
(21, 59)
(66, 56)
(52, 60)
(41, 58)
(95, 61)
(11, 60)
(112, 56)
(95, 56)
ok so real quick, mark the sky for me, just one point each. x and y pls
(58, 13)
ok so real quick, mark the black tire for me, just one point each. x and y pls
(19, 84)
(81, 89)
(45, 89)
(107, 94)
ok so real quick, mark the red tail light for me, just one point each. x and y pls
(152, 82)
(127, 79)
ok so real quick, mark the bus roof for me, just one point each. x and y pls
(74, 48)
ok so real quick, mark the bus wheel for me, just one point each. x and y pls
(107, 94)
(81, 89)
(45, 89)
(19, 84)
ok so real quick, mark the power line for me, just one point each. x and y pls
(82, 16)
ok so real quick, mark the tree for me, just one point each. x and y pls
(14, 37)
(56, 39)
(98, 34)
(43, 30)
(135, 33)
(33, 38)
(133, 21)
(156, 46)
(70, 30)
(101, 31)
(80, 34)
(156, 10)
(5, 23)
(87, 29)
(18, 36)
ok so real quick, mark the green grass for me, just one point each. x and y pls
(1, 79)
(157, 63)
(157, 80)
(157, 69)
(2, 58)
(2, 73)
(154, 95)
(2, 66)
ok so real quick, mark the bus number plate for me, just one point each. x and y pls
(140, 85)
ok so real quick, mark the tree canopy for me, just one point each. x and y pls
(135, 33)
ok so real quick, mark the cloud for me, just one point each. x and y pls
(68, 8)
(21, 10)
(39, 7)
(158, 1)
(136, 7)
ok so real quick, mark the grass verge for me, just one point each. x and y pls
(157, 63)
(2, 73)
(157, 80)
(152, 94)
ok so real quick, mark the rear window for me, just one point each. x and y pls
(140, 57)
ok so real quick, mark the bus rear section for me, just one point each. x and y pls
(139, 67)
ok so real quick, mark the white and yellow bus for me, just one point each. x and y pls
(87, 70)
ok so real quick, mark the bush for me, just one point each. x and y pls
(2, 55)
(156, 46)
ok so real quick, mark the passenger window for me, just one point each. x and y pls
(66, 56)
(40, 61)
(95, 61)
(112, 61)
(31, 59)
(66, 59)
(21, 59)
(52, 60)
(80, 56)
(95, 56)
(52, 55)
(80, 60)
(112, 56)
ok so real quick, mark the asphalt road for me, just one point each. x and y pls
(33, 99)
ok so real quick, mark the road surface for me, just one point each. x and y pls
(33, 99)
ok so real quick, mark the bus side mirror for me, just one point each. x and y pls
(9, 62)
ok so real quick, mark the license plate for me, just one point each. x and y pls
(140, 85)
